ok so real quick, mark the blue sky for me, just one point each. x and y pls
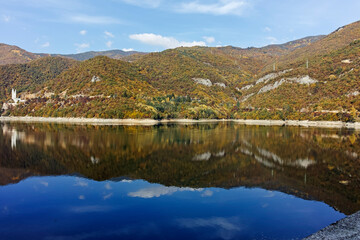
(70, 26)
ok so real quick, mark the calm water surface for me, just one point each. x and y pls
(208, 181)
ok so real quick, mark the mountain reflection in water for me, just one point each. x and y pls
(320, 164)
(191, 160)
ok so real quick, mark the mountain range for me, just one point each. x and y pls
(314, 78)
(10, 54)
(115, 54)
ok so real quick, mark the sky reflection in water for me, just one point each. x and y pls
(189, 182)
(76, 208)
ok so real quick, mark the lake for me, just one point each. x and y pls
(176, 181)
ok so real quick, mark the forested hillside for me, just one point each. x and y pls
(115, 54)
(315, 78)
(31, 77)
(323, 87)
(13, 54)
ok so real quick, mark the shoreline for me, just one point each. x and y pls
(346, 228)
(102, 121)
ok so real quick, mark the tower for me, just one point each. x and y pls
(13, 94)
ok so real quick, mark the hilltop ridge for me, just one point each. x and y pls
(10, 54)
(115, 54)
(313, 78)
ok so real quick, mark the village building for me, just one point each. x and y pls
(15, 100)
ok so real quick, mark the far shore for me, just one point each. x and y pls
(101, 121)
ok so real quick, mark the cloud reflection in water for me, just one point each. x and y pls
(160, 191)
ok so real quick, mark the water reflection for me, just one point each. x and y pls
(320, 164)
(77, 208)
(160, 191)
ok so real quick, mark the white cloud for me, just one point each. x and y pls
(221, 7)
(166, 42)
(6, 18)
(85, 19)
(207, 193)
(144, 3)
(267, 29)
(45, 45)
(109, 34)
(107, 186)
(127, 49)
(82, 45)
(159, 191)
(209, 39)
(265, 205)
(107, 196)
(272, 40)
(83, 32)
(109, 44)
(80, 183)
(126, 181)
(216, 222)
(269, 194)
(46, 184)
(217, 227)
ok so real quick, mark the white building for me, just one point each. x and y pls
(13, 96)
(8, 105)
(16, 100)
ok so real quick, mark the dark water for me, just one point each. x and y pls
(217, 181)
